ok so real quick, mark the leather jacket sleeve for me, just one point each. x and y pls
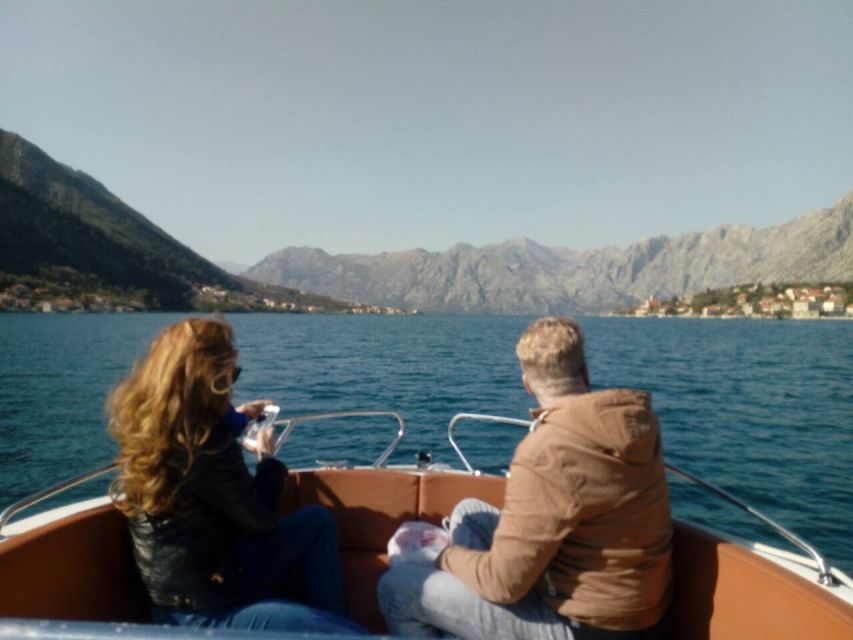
(221, 479)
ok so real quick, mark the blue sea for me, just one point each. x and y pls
(763, 409)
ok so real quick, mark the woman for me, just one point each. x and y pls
(207, 538)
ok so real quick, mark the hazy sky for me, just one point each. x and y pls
(244, 127)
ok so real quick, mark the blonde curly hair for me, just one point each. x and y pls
(552, 357)
(166, 409)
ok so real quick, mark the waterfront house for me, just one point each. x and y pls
(834, 306)
(834, 291)
(804, 309)
(649, 307)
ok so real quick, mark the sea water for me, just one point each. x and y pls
(762, 409)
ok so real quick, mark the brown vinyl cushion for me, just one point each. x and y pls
(82, 567)
(725, 592)
(361, 573)
(78, 569)
(441, 492)
(368, 504)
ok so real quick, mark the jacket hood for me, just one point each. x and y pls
(619, 422)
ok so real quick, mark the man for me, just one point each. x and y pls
(582, 547)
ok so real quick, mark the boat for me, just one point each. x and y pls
(69, 572)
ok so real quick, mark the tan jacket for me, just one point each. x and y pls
(586, 517)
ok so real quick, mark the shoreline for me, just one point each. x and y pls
(751, 318)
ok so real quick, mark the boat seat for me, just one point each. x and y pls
(725, 592)
(83, 569)
(369, 506)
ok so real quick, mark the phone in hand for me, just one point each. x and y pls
(263, 422)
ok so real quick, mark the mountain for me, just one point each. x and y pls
(62, 228)
(521, 276)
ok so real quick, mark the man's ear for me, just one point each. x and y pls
(526, 384)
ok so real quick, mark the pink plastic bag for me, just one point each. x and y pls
(418, 542)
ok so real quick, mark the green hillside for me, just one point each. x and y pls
(62, 233)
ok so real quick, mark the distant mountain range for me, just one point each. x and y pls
(59, 224)
(521, 276)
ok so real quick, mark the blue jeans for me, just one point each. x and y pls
(264, 615)
(423, 601)
(306, 539)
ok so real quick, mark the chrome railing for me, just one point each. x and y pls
(56, 489)
(290, 425)
(479, 417)
(825, 576)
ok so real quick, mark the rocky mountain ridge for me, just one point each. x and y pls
(522, 276)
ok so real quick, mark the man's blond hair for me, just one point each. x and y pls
(551, 355)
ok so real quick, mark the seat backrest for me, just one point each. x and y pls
(82, 568)
(725, 592)
(79, 569)
(368, 505)
(440, 492)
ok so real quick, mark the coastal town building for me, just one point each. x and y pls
(835, 305)
(755, 301)
(22, 298)
(804, 309)
(650, 307)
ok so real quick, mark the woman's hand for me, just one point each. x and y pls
(266, 443)
(253, 409)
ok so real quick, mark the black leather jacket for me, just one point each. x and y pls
(188, 558)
